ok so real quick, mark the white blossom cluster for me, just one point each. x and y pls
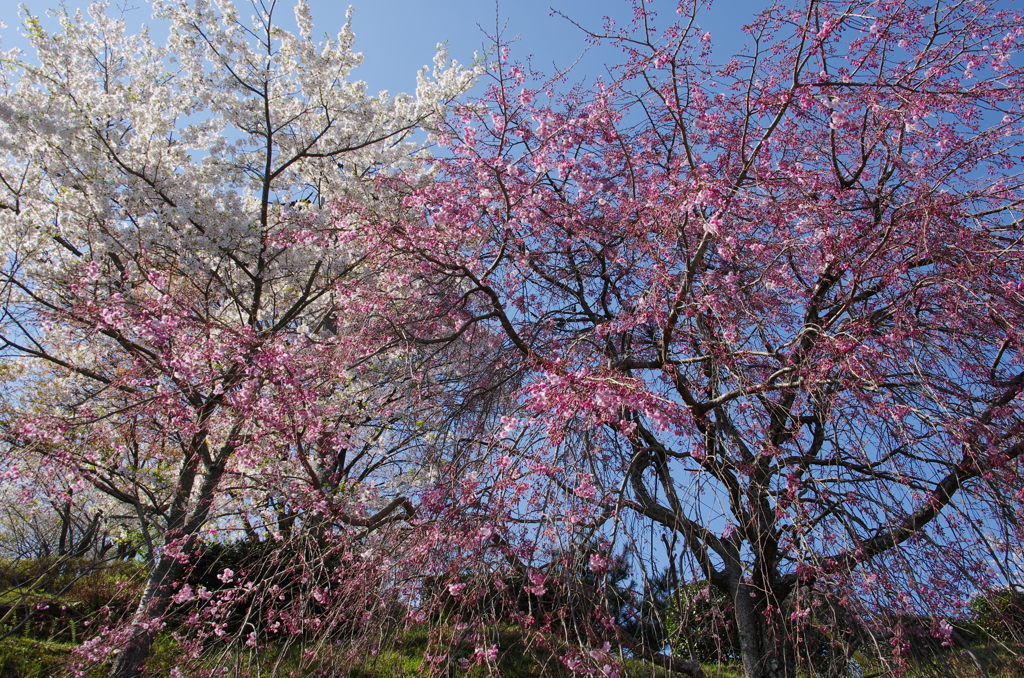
(228, 136)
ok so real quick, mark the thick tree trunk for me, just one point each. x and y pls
(146, 623)
(156, 599)
(765, 641)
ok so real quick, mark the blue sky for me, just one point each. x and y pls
(399, 36)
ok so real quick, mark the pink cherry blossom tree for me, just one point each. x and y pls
(770, 308)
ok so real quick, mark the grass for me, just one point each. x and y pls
(27, 658)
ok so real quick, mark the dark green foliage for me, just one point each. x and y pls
(998, 616)
(699, 623)
(27, 658)
(212, 559)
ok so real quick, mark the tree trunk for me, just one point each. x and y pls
(765, 641)
(182, 531)
(147, 622)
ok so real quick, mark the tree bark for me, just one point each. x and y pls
(147, 622)
(765, 641)
(156, 599)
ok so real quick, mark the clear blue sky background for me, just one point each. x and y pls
(399, 36)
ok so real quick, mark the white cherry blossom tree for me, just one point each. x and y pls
(185, 322)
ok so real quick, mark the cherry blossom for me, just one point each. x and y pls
(768, 308)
